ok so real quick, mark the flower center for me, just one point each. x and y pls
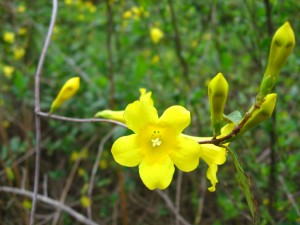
(155, 139)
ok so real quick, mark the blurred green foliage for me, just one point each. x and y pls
(231, 37)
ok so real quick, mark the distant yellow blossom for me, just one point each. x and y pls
(22, 31)
(85, 201)
(8, 71)
(81, 172)
(127, 15)
(155, 59)
(21, 9)
(9, 37)
(156, 34)
(103, 164)
(5, 124)
(19, 53)
(68, 2)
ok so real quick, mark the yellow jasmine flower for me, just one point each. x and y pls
(156, 35)
(213, 155)
(68, 2)
(67, 91)
(85, 201)
(157, 144)
(19, 53)
(155, 59)
(8, 71)
(21, 9)
(9, 37)
(119, 115)
(127, 15)
(22, 31)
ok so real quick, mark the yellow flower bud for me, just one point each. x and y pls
(156, 35)
(8, 71)
(67, 91)
(112, 115)
(282, 45)
(217, 94)
(261, 114)
(9, 37)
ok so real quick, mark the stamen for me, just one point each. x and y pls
(156, 142)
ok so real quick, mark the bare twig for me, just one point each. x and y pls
(289, 195)
(55, 204)
(95, 168)
(70, 179)
(37, 109)
(235, 131)
(171, 206)
(178, 194)
(79, 120)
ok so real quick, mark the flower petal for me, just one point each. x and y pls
(126, 151)
(157, 175)
(138, 114)
(177, 117)
(212, 154)
(211, 174)
(186, 156)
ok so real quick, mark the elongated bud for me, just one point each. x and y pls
(282, 45)
(217, 94)
(112, 115)
(264, 112)
(66, 92)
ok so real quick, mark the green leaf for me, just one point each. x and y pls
(244, 182)
(234, 117)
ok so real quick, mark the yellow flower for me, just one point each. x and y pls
(8, 71)
(67, 91)
(21, 9)
(19, 53)
(155, 59)
(213, 155)
(22, 31)
(157, 144)
(9, 37)
(156, 34)
(127, 15)
(85, 201)
(68, 2)
(119, 115)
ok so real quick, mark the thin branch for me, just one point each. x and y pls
(37, 109)
(95, 168)
(79, 120)
(55, 204)
(178, 195)
(171, 206)
(70, 178)
(235, 131)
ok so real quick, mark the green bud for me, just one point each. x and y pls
(217, 94)
(282, 45)
(262, 113)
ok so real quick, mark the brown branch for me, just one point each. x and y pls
(55, 204)
(235, 131)
(37, 109)
(79, 120)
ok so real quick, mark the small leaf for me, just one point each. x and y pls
(234, 117)
(244, 182)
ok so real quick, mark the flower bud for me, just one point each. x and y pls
(67, 91)
(156, 35)
(112, 115)
(217, 94)
(262, 113)
(282, 45)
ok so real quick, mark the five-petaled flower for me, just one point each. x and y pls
(157, 143)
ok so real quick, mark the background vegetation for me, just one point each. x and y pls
(108, 45)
